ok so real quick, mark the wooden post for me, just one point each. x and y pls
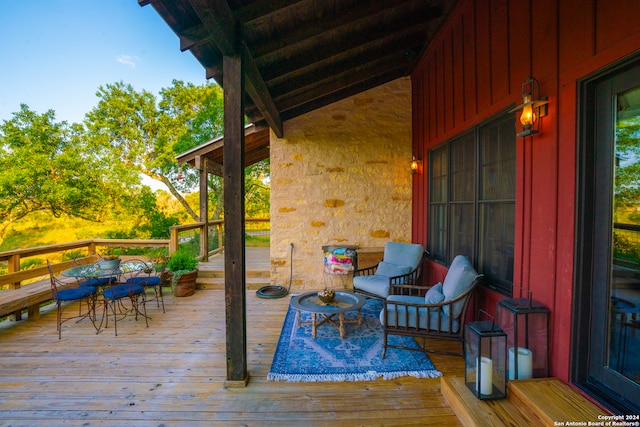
(13, 265)
(204, 209)
(234, 259)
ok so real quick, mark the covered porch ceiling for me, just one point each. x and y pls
(303, 54)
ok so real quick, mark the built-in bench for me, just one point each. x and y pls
(32, 295)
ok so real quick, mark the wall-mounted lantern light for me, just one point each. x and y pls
(415, 165)
(533, 107)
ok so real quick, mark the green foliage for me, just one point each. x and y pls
(181, 261)
(44, 165)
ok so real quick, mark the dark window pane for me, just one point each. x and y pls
(498, 160)
(463, 167)
(497, 225)
(462, 230)
(439, 174)
(438, 231)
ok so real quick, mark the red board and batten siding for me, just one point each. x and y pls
(473, 70)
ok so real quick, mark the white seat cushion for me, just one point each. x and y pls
(377, 285)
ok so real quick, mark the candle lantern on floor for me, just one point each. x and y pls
(485, 360)
(526, 324)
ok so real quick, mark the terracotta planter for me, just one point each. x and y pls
(186, 285)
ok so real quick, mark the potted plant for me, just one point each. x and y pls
(110, 260)
(184, 268)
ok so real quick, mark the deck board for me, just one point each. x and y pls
(173, 373)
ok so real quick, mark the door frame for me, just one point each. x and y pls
(590, 306)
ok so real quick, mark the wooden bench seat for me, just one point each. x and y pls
(28, 296)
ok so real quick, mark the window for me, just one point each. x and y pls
(472, 200)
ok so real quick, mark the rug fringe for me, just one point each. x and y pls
(365, 376)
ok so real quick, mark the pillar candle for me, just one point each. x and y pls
(484, 372)
(525, 360)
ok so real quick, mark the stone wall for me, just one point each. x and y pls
(341, 177)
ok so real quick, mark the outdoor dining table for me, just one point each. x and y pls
(93, 275)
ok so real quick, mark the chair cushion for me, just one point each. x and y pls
(99, 281)
(376, 284)
(408, 254)
(122, 291)
(145, 281)
(458, 279)
(390, 270)
(74, 294)
(416, 317)
(434, 295)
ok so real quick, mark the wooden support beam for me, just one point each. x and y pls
(234, 211)
(259, 93)
(210, 166)
(223, 28)
(204, 208)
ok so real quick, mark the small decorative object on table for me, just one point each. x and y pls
(109, 262)
(326, 295)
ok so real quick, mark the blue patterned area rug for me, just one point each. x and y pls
(300, 358)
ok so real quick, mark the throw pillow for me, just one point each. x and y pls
(390, 270)
(459, 277)
(434, 295)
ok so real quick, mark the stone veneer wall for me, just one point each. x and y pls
(341, 176)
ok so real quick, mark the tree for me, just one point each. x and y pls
(143, 136)
(44, 166)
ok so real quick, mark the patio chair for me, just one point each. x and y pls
(401, 265)
(439, 314)
(150, 276)
(116, 295)
(86, 294)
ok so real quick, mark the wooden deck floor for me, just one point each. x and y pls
(173, 374)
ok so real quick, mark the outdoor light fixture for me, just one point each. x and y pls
(533, 107)
(485, 360)
(526, 323)
(415, 165)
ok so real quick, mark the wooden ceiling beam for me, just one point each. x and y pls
(222, 26)
(219, 22)
(261, 9)
(330, 98)
(316, 49)
(344, 21)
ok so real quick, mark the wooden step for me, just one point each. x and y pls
(546, 400)
(532, 402)
(479, 413)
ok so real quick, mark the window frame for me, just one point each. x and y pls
(445, 236)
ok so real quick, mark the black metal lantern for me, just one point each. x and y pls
(526, 324)
(485, 360)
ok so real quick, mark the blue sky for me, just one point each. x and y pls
(55, 54)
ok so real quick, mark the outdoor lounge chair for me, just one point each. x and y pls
(440, 313)
(401, 265)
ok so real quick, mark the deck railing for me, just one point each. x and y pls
(181, 236)
(187, 236)
(86, 248)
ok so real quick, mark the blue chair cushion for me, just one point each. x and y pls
(407, 254)
(390, 270)
(74, 294)
(416, 316)
(99, 281)
(377, 285)
(122, 291)
(144, 281)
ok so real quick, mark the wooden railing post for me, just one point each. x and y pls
(173, 240)
(13, 264)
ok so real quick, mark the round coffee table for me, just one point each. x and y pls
(343, 302)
